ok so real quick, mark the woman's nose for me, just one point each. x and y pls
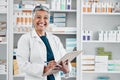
(42, 20)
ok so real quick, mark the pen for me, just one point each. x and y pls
(46, 62)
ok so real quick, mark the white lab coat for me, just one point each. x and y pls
(31, 54)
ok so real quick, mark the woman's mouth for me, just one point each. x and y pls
(41, 25)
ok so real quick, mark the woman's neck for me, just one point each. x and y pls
(40, 33)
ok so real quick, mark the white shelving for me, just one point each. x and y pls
(3, 73)
(20, 32)
(64, 33)
(83, 21)
(3, 12)
(4, 35)
(70, 22)
(3, 8)
(96, 41)
(69, 33)
(19, 75)
(97, 21)
(102, 14)
(22, 9)
(3, 42)
(63, 11)
(94, 72)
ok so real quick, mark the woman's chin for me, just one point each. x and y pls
(41, 29)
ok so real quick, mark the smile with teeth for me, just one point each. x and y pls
(41, 25)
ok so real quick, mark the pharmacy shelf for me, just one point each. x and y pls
(94, 72)
(20, 32)
(65, 33)
(102, 14)
(62, 10)
(68, 33)
(3, 42)
(96, 41)
(4, 4)
(3, 73)
(3, 12)
(19, 75)
(69, 77)
(23, 75)
(22, 9)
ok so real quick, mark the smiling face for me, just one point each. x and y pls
(41, 20)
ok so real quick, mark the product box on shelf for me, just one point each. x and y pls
(3, 9)
(3, 2)
(88, 62)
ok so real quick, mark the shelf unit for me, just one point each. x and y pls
(3, 42)
(95, 22)
(64, 33)
(82, 21)
(102, 14)
(3, 73)
(70, 22)
(4, 46)
(105, 72)
(5, 6)
(96, 41)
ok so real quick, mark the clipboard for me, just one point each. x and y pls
(69, 56)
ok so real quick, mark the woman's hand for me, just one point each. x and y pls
(64, 65)
(50, 65)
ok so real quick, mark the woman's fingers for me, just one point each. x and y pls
(51, 64)
(64, 66)
(57, 67)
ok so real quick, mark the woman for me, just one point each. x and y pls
(38, 47)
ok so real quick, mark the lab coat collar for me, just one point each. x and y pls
(35, 35)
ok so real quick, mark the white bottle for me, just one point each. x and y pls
(27, 21)
(53, 4)
(88, 35)
(58, 4)
(19, 19)
(16, 18)
(24, 16)
(100, 36)
(105, 36)
(69, 3)
(118, 35)
(30, 19)
(109, 35)
(91, 35)
(84, 7)
(93, 7)
(114, 34)
(63, 4)
(104, 9)
(84, 37)
(98, 7)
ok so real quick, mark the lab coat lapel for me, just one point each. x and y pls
(36, 38)
(34, 35)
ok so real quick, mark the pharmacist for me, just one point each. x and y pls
(39, 50)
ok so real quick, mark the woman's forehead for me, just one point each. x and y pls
(41, 12)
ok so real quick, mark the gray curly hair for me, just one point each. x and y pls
(40, 7)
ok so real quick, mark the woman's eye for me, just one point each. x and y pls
(46, 18)
(38, 17)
